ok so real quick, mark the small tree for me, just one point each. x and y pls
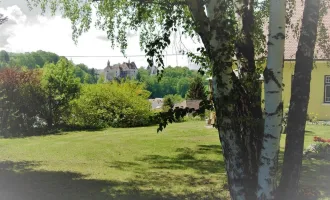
(196, 89)
(168, 103)
(61, 86)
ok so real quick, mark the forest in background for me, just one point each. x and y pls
(175, 80)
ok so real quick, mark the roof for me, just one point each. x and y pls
(291, 42)
(189, 104)
(131, 65)
(115, 67)
(124, 66)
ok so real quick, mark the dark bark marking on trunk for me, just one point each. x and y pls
(293, 155)
(277, 111)
(269, 75)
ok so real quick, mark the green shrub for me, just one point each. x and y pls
(113, 104)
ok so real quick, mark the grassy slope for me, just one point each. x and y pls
(182, 162)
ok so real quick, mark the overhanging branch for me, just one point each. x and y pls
(197, 10)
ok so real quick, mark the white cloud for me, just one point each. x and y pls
(54, 34)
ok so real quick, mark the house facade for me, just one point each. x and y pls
(319, 100)
(119, 71)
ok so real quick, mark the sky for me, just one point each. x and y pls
(27, 30)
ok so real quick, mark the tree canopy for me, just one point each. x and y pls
(196, 89)
(39, 59)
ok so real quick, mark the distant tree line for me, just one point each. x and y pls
(174, 81)
(37, 59)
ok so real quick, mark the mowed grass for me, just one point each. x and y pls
(183, 162)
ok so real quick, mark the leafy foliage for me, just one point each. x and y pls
(196, 89)
(175, 80)
(112, 104)
(38, 59)
(60, 86)
(177, 114)
(33, 101)
(30, 60)
(85, 74)
(21, 101)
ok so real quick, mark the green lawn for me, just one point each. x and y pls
(183, 162)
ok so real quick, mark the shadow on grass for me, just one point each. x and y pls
(120, 165)
(316, 175)
(21, 181)
(187, 158)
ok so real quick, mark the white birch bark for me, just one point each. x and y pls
(273, 102)
(228, 137)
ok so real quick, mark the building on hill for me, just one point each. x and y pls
(119, 71)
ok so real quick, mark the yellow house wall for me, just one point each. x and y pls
(316, 106)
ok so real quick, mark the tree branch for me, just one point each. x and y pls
(197, 10)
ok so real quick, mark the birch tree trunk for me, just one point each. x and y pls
(273, 76)
(300, 91)
(238, 114)
(223, 87)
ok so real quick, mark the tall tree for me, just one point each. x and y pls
(300, 91)
(196, 89)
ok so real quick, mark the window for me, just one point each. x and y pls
(327, 89)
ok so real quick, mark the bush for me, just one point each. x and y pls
(21, 102)
(112, 104)
(321, 149)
